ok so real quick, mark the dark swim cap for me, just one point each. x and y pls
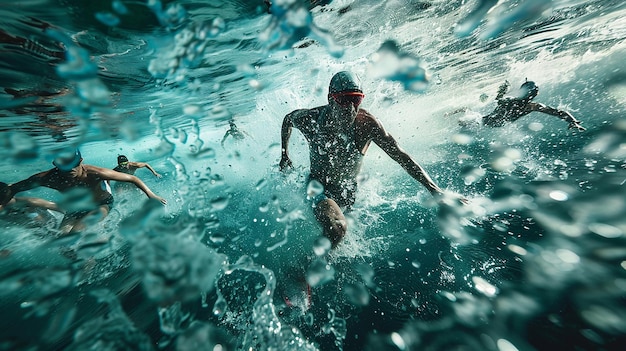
(530, 89)
(122, 158)
(66, 161)
(344, 81)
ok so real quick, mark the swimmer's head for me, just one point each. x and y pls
(529, 90)
(345, 89)
(344, 82)
(68, 160)
(122, 160)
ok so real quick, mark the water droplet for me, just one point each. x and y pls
(220, 307)
(108, 19)
(217, 238)
(261, 184)
(559, 195)
(321, 246)
(319, 272)
(219, 203)
(357, 294)
(314, 188)
(264, 207)
(484, 287)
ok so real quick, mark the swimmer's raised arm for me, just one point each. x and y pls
(503, 89)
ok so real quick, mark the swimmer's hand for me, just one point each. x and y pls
(285, 163)
(161, 200)
(576, 125)
(450, 198)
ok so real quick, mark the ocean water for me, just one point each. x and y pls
(536, 261)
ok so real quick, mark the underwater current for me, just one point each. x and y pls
(535, 261)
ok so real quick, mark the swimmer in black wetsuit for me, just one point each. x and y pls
(70, 174)
(510, 109)
(339, 135)
(234, 132)
(128, 167)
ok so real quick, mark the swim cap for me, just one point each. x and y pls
(66, 161)
(529, 89)
(344, 81)
(122, 158)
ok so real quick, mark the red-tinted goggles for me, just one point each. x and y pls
(348, 98)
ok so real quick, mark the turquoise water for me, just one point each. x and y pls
(537, 261)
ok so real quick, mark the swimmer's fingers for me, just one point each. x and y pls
(576, 125)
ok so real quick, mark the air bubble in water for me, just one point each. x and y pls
(320, 272)
(219, 203)
(220, 307)
(321, 246)
(314, 188)
(357, 294)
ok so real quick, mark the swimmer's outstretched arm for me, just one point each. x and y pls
(146, 165)
(388, 144)
(34, 181)
(564, 115)
(109, 174)
(37, 202)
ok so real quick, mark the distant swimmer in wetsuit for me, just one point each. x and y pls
(86, 186)
(510, 109)
(339, 135)
(233, 132)
(128, 167)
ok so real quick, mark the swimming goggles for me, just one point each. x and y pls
(348, 98)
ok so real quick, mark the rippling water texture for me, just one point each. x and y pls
(537, 261)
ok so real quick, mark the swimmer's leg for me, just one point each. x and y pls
(75, 224)
(332, 220)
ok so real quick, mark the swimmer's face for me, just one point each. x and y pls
(346, 105)
(347, 99)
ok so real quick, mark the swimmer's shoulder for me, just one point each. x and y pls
(301, 116)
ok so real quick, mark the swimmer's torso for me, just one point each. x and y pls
(335, 156)
(79, 177)
(508, 110)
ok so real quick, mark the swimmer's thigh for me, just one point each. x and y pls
(332, 220)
